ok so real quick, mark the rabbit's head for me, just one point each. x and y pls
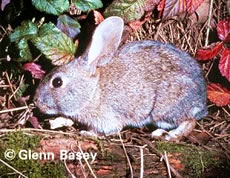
(69, 88)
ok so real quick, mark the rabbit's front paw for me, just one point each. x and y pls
(159, 133)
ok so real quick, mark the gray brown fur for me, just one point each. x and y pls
(141, 82)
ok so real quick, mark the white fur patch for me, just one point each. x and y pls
(158, 132)
(195, 110)
(179, 131)
(163, 125)
(89, 133)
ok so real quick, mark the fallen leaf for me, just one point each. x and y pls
(218, 95)
(192, 5)
(151, 4)
(224, 64)
(161, 7)
(178, 7)
(223, 30)
(211, 52)
(173, 8)
(201, 14)
(175, 162)
(34, 69)
(34, 121)
(137, 24)
(97, 17)
(199, 137)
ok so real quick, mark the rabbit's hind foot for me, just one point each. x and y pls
(183, 130)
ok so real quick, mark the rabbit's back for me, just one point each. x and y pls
(108, 88)
(149, 80)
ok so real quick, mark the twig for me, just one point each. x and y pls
(14, 109)
(130, 166)
(158, 32)
(210, 68)
(4, 86)
(226, 111)
(13, 168)
(142, 163)
(83, 169)
(165, 157)
(209, 21)
(11, 86)
(91, 170)
(68, 169)
(36, 130)
(201, 161)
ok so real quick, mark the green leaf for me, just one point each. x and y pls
(54, 44)
(48, 29)
(24, 51)
(55, 7)
(85, 5)
(22, 88)
(69, 26)
(129, 10)
(27, 30)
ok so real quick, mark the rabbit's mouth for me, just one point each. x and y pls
(44, 107)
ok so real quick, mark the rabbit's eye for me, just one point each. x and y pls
(57, 82)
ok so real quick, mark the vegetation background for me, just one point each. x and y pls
(36, 36)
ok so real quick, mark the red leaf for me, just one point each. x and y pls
(174, 7)
(192, 5)
(224, 64)
(177, 7)
(218, 94)
(223, 30)
(227, 39)
(137, 24)
(97, 17)
(161, 7)
(34, 121)
(34, 69)
(151, 4)
(213, 51)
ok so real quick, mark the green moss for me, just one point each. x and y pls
(194, 158)
(32, 168)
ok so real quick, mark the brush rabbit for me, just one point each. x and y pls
(108, 88)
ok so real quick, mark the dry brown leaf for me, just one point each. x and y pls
(218, 94)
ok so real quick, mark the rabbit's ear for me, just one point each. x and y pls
(106, 39)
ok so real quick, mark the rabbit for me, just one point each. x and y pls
(111, 87)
